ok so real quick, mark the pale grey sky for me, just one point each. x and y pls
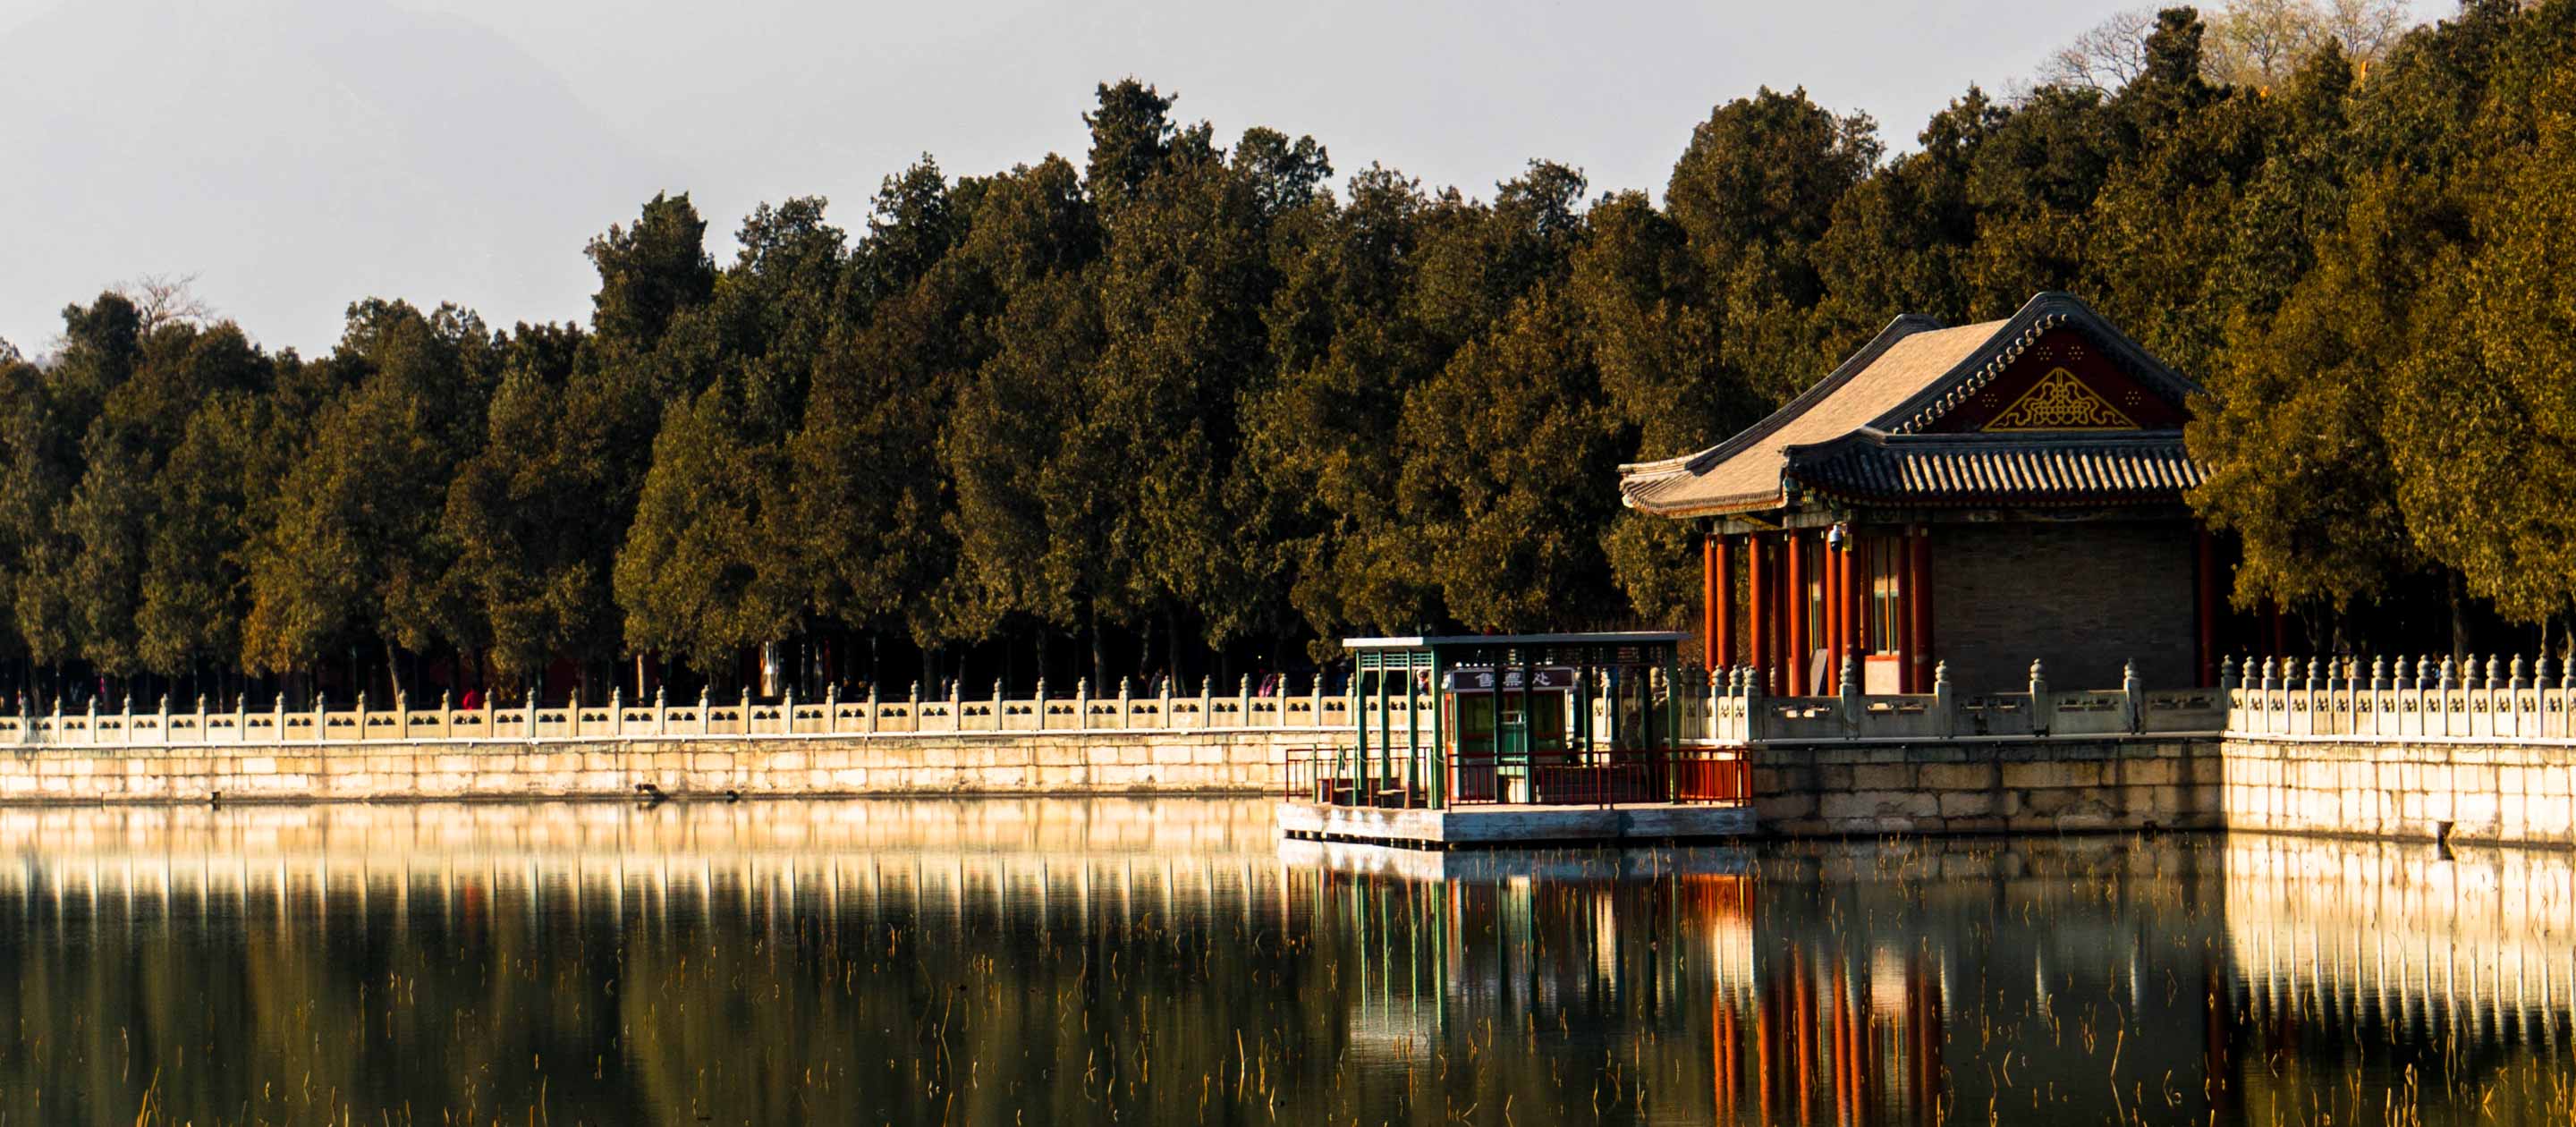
(298, 154)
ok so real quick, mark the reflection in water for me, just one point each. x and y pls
(1008, 961)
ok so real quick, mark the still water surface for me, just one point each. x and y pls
(1054, 961)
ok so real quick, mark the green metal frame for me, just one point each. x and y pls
(1418, 669)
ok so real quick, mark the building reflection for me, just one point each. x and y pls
(1818, 979)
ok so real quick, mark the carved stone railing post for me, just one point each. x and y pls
(743, 726)
(2227, 695)
(277, 722)
(661, 710)
(1126, 702)
(529, 716)
(1315, 688)
(1039, 702)
(2133, 697)
(2541, 668)
(2275, 703)
(1243, 701)
(1848, 689)
(999, 707)
(1720, 682)
(2039, 703)
(2566, 689)
(1945, 699)
(202, 737)
(912, 699)
(2448, 679)
(1082, 702)
(1756, 724)
(872, 706)
(706, 708)
(1163, 702)
(787, 711)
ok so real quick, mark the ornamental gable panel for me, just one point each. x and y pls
(2063, 382)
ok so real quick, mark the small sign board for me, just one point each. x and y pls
(1549, 677)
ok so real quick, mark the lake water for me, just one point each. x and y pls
(1171, 961)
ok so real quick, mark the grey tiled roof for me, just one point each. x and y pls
(2083, 469)
(1907, 378)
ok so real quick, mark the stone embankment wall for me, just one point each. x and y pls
(2479, 790)
(1202, 761)
(2486, 790)
(2002, 785)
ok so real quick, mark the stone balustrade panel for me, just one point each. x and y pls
(743, 718)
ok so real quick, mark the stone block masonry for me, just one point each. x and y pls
(2510, 792)
(1204, 761)
(1981, 786)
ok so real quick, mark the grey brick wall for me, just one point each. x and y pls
(2083, 596)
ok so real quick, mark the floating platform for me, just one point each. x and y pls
(1510, 826)
(1490, 866)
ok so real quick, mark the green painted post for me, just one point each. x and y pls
(1672, 724)
(1359, 723)
(1439, 738)
(1385, 736)
(1412, 729)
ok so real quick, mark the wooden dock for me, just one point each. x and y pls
(1514, 825)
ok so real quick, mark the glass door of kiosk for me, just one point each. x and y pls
(1503, 728)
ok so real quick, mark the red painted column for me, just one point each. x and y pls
(1759, 655)
(1795, 569)
(1708, 599)
(1721, 603)
(2208, 606)
(1831, 583)
(1918, 609)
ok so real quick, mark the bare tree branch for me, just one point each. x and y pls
(166, 299)
(2104, 58)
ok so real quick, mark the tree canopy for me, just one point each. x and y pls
(1196, 400)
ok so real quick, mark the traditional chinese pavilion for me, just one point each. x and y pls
(1982, 496)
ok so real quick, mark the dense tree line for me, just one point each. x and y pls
(1198, 405)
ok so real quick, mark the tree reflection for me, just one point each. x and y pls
(1050, 961)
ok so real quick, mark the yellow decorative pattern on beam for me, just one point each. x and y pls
(2059, 401)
